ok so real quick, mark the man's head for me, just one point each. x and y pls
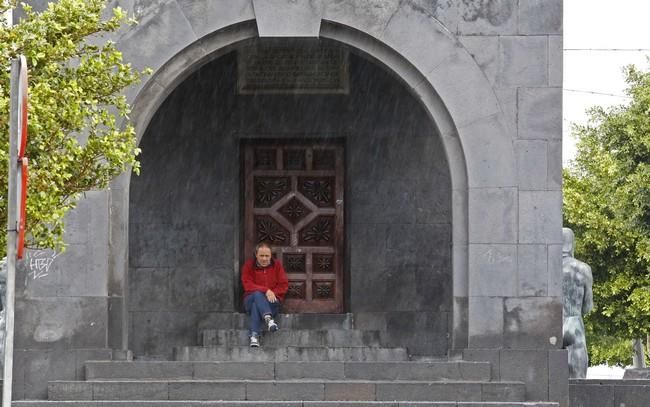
(263, 254)
(567, 242)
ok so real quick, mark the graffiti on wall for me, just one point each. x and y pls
(39, 263)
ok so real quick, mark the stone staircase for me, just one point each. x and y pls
(314, 360)
(302, 337)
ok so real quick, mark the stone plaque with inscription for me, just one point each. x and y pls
(293, 68)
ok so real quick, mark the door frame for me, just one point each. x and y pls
(341, 221)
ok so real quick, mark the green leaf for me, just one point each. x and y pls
(77, 139)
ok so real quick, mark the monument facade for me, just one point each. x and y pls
(404, 158)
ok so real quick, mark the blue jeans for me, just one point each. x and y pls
(257, 306)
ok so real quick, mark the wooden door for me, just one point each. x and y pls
(294, 201)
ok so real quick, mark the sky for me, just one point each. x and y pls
(600, 38)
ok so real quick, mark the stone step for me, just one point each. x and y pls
(238, 320)
(289, 354)
(281, 390)
(182, 403)
(292, 337)
(302, 321)
(430, 371)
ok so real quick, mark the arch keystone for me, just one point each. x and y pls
(288, 18)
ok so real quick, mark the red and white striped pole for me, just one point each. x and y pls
(17, 193)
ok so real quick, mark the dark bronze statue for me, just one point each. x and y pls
(578, 301)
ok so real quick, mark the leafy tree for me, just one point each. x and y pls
(75, 109)
(607, 203)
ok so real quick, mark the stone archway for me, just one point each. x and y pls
(476, 141)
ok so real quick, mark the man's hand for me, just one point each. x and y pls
(270, 295)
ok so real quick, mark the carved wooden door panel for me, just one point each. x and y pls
(294, 201)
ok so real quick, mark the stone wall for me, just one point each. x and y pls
(62, 303)
(490, 75)
(609, 393)
(185, 215)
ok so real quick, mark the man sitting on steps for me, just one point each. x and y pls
(265, 284)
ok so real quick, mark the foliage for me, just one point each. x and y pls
(607, 203)
(610, 350)
(76, 77)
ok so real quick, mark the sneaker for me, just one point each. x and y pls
(255, 341)
(271, 325)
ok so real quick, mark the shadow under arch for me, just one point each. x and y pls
(223, 41)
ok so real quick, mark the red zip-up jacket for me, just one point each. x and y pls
(257, 278)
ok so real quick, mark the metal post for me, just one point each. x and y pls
(638, 361)
(12, 229)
